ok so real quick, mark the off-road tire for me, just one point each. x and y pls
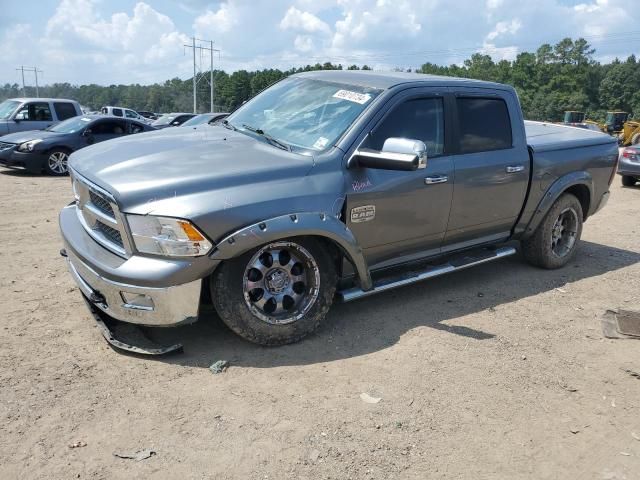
(538, 250)
(635, 140)
(227, 294)
(628, 181)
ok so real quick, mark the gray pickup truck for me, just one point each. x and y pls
(330, 185)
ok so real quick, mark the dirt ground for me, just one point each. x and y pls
(497, 372)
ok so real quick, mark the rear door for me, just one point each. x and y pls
(32, 116)
(491, 168)
(398, 215)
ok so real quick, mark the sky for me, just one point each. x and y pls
(120, 41)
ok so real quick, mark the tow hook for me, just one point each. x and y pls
(97, 297)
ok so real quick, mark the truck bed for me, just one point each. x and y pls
(542, 136)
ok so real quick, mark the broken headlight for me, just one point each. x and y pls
(172, 237)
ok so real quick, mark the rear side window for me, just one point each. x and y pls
(64, 110)
(484, 124)
(117, 112)
(109, 127)
(419, 119)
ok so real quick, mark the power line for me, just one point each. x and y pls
(35, 70)
(202, 48)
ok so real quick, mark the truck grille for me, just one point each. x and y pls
(101, 203)
(100, 216)
(6, 146)
(111, 233)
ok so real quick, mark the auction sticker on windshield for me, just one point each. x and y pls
(356, 97)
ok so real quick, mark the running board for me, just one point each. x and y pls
(453, 265)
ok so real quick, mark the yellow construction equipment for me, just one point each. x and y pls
(614, 122)
(573, 117)
(630, 134)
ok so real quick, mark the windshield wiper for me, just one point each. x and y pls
(267, 137)
(226, 124)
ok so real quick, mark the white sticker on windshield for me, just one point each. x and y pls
(85, 119)
(356, 97)
(321, 143)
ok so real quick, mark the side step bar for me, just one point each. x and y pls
(453, 265)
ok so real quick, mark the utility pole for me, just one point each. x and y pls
(211, 75)
(35, 71)
(195, 104)
(195, 73)
(24, 94)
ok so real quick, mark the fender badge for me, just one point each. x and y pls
(363, 213)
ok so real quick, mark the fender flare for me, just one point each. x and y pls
(317, 224)
(556, 189)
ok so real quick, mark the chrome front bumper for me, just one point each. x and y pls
(134, 304)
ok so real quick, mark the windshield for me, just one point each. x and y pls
(71, 125)
(311, 114)
(7, 108)
(164, 120)
(197, 120)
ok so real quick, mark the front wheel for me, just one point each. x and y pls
(277, 293)
(554, 242)
(56, 163)
(628, 181)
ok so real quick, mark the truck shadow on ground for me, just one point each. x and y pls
(378, 322)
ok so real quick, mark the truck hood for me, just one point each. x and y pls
(147, 168)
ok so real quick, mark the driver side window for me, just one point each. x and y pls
(417, 119)
(35, 112)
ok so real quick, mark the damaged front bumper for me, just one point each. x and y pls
(142, 290)
(134, 304)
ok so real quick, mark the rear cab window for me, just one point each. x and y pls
(64, 110)
(484, 124)
(117, 112)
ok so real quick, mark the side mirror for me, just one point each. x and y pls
(396, 154)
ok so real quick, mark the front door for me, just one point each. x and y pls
(32, 116)
(491, 170)
(106, 130)
(396, 215)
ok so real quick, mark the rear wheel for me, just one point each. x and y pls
(278, 293)
(628, 181)
(56, 163)
(554, 242)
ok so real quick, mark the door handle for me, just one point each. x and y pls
(436, 179)
(515, 168)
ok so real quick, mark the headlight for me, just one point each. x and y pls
(167, 236)
(29, 146)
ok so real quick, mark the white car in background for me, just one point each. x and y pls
(124, 112)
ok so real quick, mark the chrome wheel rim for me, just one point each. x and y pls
(58, 162)
(281, 283)
(564, 232)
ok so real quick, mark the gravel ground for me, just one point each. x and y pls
(497, 372)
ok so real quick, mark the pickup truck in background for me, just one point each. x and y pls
(23, 114)
(327, 185)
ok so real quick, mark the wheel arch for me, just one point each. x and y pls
(317, 224)
(579, 184)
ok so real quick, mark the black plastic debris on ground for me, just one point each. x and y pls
(137, 456)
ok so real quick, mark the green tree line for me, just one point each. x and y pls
(549, 81)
